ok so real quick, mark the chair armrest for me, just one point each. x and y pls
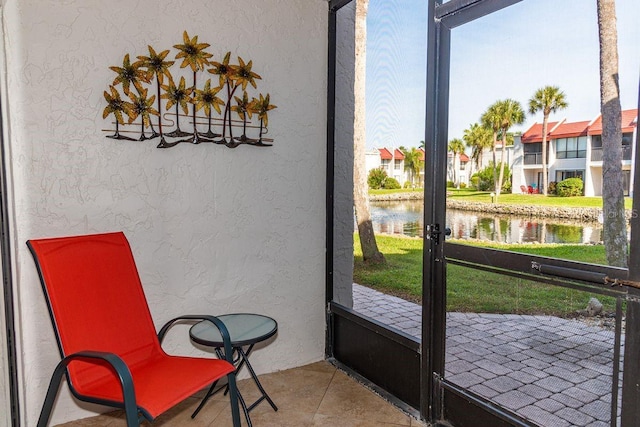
(226, 338)
(121, 368)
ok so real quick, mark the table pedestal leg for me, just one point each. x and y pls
(245, 360)
(241, 360)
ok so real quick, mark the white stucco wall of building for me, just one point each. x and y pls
(213, 229)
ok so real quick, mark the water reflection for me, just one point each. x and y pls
(405, 218)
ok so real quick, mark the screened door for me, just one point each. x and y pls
(507, 332)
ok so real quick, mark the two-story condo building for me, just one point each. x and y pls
(574, 150)
(390, 160)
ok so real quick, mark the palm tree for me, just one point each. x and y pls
(116, 106)
(156, 66)
(205, 99)
(512, 114)
(243, 109)
(261, 106)
(370, 251)
(129, 74)
(491, 119)
(194, 55)
(143, 108)
(241, 76)
(225, 72)
(412, 163)
(614, 227)
(180, 96)
(548, 99)
(456, 146)
(478, 138)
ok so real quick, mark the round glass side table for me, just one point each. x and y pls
(245, 330)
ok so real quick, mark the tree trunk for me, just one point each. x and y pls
(545, 179)
(502, 160)
(370, 252)
(455, 180)
(615, 224)
(495, 165)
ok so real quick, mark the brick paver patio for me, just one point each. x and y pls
(552, 371)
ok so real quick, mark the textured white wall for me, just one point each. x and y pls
(213, 230)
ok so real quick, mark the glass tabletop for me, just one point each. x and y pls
(244, 329)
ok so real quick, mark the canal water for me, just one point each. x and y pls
(405, 218)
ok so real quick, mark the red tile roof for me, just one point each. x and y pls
(421, 150)
(464, 157)
(385, 154)
(566, 130)
(534, 133)
(629, 121)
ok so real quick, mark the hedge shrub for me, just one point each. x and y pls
(570, 187)
(391, 183)
(376, 178)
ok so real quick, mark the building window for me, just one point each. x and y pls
(627, 139)
(562, 175)
(397, 164)
(385, 164)
(534, 147)
(571, 148)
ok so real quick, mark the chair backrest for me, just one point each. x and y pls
(96, 300)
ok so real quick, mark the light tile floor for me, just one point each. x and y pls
(311, 395)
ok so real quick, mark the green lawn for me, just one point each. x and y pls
(471, 195)
(478, 291)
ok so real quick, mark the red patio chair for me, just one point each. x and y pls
(523, 189)
(110, 352)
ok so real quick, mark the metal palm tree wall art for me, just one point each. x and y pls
(213, 106)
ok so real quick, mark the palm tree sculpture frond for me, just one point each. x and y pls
(206, 99)
(116, 106)
(180, 96)
(193, 54)
(261, 106)
(129, 74)
(143, 108)
(156, 65)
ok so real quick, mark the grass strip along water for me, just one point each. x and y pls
(471, 290)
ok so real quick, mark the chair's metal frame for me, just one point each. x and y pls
(133, 413)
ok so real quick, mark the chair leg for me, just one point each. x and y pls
(52, 392)
(233, 398)
(131, 409)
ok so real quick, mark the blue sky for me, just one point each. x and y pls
(508, 54)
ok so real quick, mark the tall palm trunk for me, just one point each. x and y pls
(495, 164)
(545, 178)
(614, 228)
(368, 243)
(503, 157)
